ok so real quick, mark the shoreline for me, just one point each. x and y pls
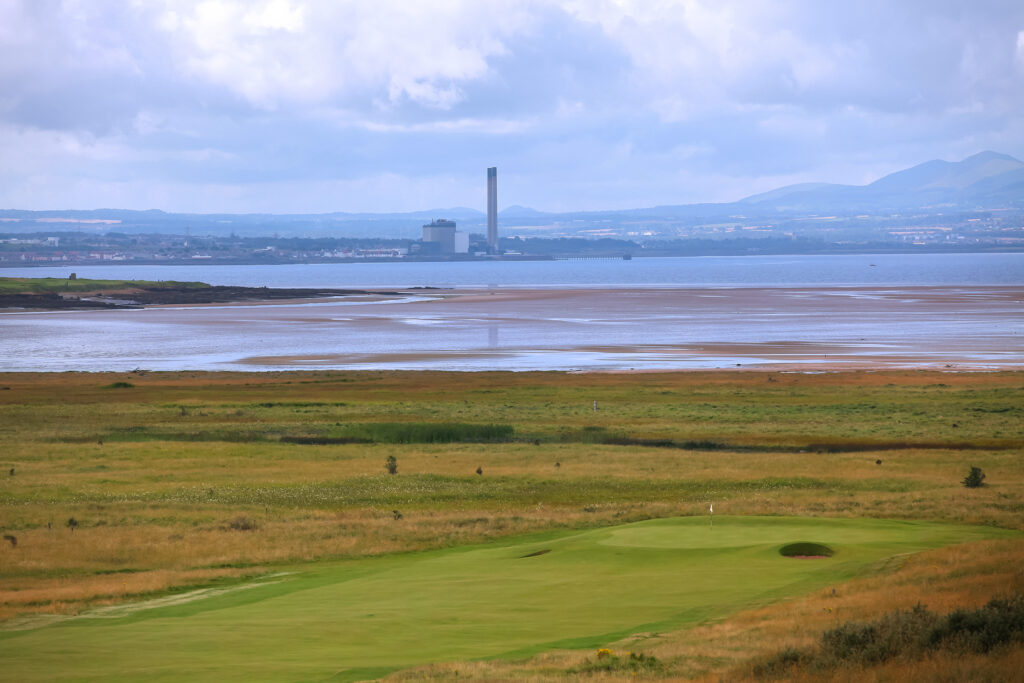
(637, 253)
(134, 297)
(968, 328)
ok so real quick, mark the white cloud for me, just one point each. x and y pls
(451, 126)
(587, 103)
(273, 52)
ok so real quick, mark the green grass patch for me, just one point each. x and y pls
(497, 600)
(41, 285)
(365, 433)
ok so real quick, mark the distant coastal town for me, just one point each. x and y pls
(967, 206)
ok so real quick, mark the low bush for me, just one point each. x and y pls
(912, 635)
(974, 478)
(242, 524)
(608, 661)
(999, 622)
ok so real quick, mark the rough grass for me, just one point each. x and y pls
(341, 619)
(910, 635)
(39, 285)
(156, 473)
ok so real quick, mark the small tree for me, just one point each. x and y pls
(391, 465)
(975, 478)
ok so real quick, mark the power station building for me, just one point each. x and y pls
(492, 209)
(441, 237)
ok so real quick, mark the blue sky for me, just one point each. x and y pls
(308, 106)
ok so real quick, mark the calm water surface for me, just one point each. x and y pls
(711, 271)
(813, 310)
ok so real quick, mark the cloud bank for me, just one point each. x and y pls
(388, 105)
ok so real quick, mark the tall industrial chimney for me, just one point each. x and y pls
(492, 209)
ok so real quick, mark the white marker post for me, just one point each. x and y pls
(711, 514)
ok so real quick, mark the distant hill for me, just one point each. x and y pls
(947, 175)
(987, 180)
(789, 190)
(517, 211)
(985, 177)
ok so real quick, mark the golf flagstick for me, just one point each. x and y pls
(711, 514)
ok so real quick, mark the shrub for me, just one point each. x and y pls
(391, 464)
(782, 663)
(606, 660)
(999, 622)
(910, 635)
(974, 478)
(242, 524)
(880, 640)
(119, 385)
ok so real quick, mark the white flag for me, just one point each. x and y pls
(712, 507)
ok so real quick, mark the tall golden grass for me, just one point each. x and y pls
(51, 426)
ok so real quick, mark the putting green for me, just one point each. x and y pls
(361, 619)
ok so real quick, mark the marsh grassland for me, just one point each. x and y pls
(141, 486)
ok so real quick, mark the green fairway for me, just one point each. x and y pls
(360, 619)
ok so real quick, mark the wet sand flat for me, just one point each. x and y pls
(971, 327)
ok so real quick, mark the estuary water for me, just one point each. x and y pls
(963, 311)
(706, 271)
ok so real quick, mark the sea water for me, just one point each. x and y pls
(599, 331)
(703, 271)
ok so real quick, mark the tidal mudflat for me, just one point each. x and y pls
(952, 327)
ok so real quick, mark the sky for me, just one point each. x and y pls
(315, 106)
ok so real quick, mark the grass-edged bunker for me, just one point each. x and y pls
(805, 550)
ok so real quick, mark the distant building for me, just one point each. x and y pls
(441, 237)
(492, 209)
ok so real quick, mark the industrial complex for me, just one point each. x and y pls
(440, 236)
(492, 210)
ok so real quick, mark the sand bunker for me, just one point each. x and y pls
(806, 551)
